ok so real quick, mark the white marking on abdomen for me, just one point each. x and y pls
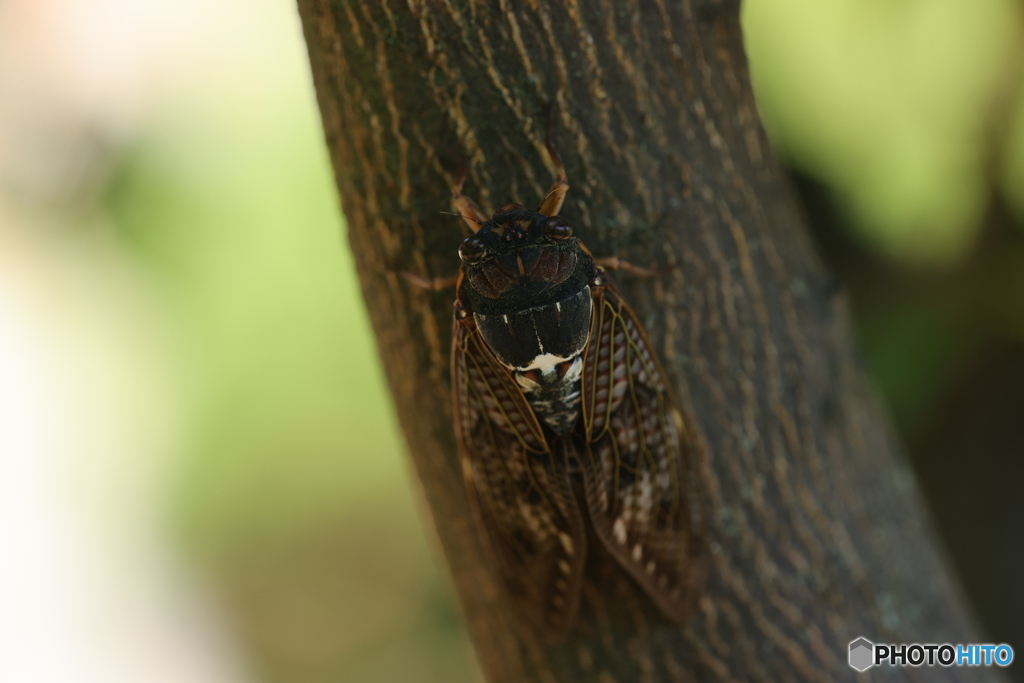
(545, 362)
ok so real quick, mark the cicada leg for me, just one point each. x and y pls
(552, 203)
(469, 210)
(436, 284)
(472, 214)
(615, 263)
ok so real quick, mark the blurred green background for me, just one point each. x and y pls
(174, 151)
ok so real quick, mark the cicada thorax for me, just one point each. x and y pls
(531, 302)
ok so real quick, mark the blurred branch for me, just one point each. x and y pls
(817, 526)
(963, 403)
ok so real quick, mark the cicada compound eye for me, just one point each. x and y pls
(557, 228)
(472, 249)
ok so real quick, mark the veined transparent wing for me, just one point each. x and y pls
(638, 461)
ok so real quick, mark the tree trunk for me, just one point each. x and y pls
(818, 534)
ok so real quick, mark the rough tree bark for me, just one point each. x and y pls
(818, 532)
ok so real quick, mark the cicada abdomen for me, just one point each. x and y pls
(561, 406)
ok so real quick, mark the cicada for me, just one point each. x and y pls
(564, 419)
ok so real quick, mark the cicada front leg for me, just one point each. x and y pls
(615, 263)
(555, 197)
(474, 217)
(434, 284)
(469, 210)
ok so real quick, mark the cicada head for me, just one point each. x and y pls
(520, 258)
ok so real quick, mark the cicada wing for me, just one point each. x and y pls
(519, 488)
(638, 461)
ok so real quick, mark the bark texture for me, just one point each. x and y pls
(818, 532)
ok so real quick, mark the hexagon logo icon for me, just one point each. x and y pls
(862, 654)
